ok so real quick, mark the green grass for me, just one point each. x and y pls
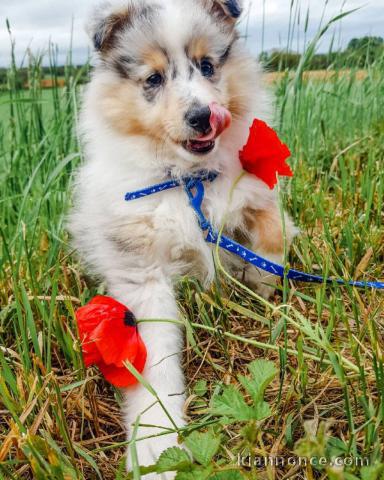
(59, 421)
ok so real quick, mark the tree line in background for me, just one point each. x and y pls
(25, 77)
(360, 53)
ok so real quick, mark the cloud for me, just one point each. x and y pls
(278, 16)
(34, 24)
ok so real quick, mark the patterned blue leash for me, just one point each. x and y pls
(194, 187)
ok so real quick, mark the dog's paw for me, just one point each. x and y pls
(262, 283)
(149, 451)
(264, 290)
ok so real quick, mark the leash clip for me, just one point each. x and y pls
(195, 191)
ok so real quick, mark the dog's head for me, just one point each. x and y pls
(171, 70)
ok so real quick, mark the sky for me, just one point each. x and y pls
(36, 22)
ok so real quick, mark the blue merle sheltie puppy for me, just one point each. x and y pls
(173, 92)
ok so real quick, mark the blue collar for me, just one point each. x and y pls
(194, 188)
(201, 176)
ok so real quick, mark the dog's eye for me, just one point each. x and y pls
(154, 80)
(207, 69)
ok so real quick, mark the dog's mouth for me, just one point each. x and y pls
(199, 147)
(219, 121)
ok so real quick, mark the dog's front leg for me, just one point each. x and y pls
(268, 237)
(159, 418)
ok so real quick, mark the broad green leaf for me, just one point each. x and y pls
(194, 473)
(261, 410)
(203, 446)
(262, 374)
(349, 476)
(227, 475)
(374, 472)
(200, 388)
(336, 447)
(231, 404)
(172, 460)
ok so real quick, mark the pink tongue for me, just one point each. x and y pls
(220, 120)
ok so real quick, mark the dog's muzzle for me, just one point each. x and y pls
(210, 122)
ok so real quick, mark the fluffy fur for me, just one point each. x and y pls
(134, 131)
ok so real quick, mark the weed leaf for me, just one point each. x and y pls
(262, 374)
(374, 472)
(227, 475)
(231, 404)
(200, 388)
(173, 459)
(194, 473)
(203, 446)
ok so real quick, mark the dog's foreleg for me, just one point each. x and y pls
(269, 237)
(159, 415)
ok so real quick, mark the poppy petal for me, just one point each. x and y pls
(117, 342)
(87, 320)
(109, 339)
(264, 155)
(120, 377)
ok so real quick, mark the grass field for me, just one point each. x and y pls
(320, 75)
(325, 380)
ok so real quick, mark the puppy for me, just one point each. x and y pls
(170, 77)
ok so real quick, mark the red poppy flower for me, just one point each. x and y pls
(264, 154)
(109, 337)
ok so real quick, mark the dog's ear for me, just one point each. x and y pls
(226, 10)
(106, 21)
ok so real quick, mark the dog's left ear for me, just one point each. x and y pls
(226, 10)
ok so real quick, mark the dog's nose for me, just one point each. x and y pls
(199, 119)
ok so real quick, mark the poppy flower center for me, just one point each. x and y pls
(129, 319)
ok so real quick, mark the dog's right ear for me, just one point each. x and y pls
(107, 20)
